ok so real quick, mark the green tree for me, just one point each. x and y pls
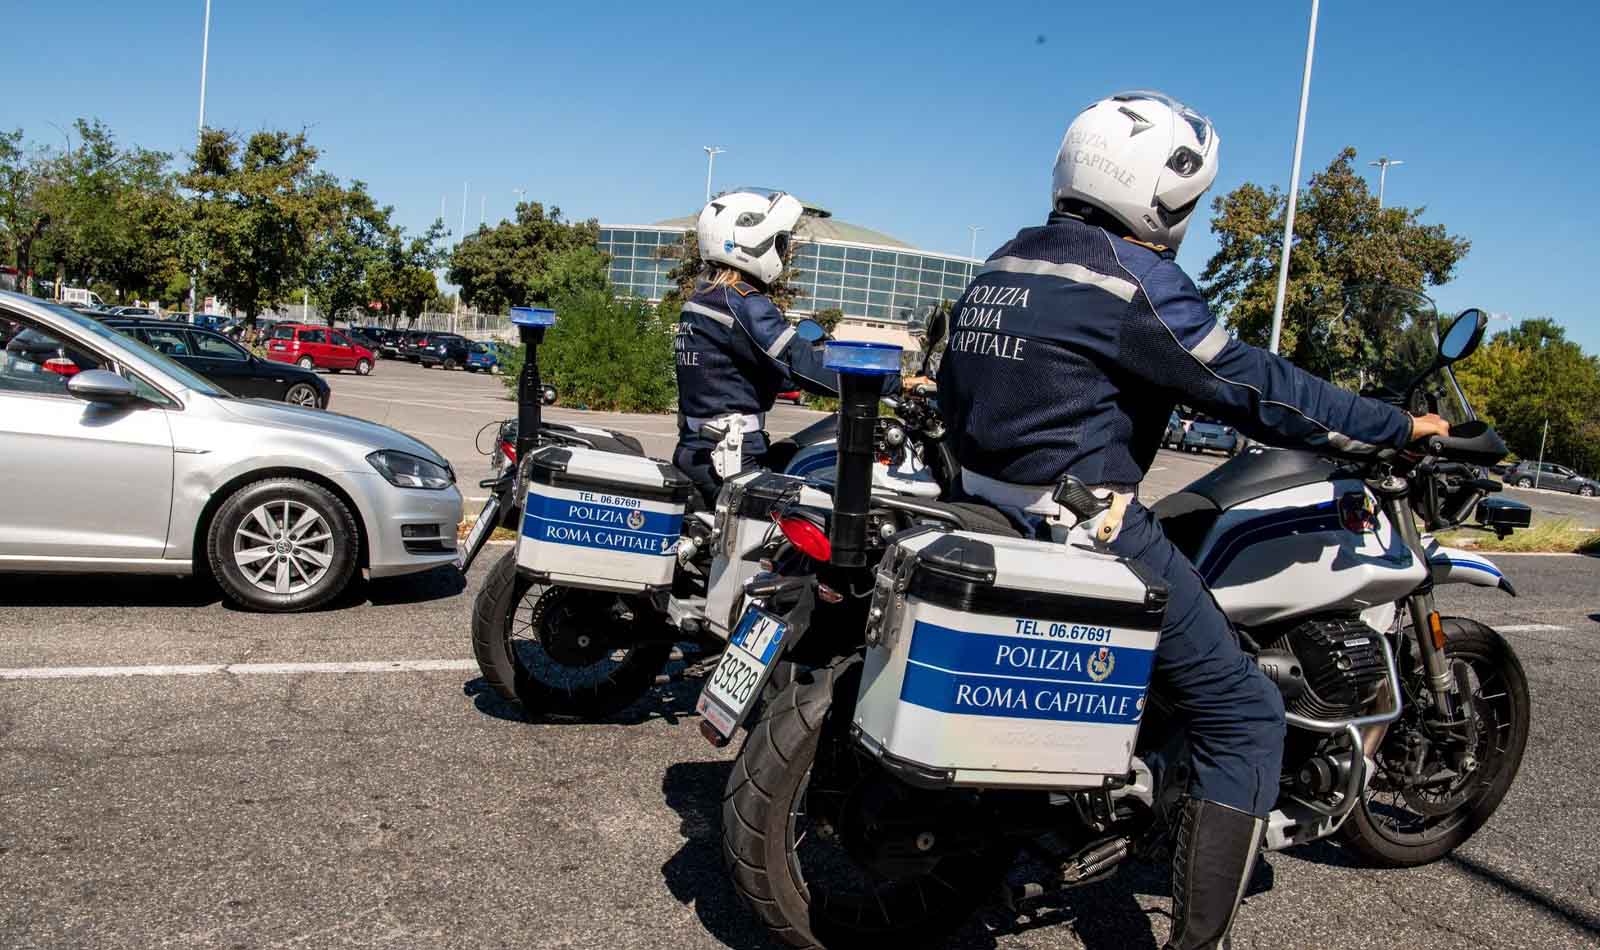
(1341, 237)
(22, 218)
(252, 216)
(349, 240)
(102, 215)
(605, 353)
(533, 259)
(1528, 375)
(829, 318)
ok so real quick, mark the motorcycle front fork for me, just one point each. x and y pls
(1426, 624)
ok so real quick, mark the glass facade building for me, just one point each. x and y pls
(886, 283)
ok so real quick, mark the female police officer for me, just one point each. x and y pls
(735, 350)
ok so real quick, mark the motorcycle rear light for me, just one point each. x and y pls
(811, 540)
(711, 735)
(61, 366)
(509, 450)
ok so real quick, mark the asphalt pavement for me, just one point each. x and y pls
(342, 778)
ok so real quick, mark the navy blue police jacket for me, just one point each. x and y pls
(1069, 351)
(736, 352)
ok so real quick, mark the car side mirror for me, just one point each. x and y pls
(1463, 335)
(103, 387)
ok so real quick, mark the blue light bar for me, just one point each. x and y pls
(533, 317)
(862, 359)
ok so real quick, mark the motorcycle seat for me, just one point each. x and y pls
(1186, 518)
(965, 515)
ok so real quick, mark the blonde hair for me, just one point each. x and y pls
(726, 277)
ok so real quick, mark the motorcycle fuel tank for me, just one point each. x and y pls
(1320, 547)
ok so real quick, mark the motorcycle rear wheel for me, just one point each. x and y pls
(768, 818)
(515, 626)
(1395, 827)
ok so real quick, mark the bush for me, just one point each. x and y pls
(605, 353)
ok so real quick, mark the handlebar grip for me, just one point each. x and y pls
(1471, 442)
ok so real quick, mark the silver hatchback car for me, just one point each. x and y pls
(115, 458)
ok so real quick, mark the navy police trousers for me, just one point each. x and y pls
(1233, 713)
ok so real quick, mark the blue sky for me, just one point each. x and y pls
(917, 120)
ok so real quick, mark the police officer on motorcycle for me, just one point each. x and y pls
(1066, 356)
(735, 350)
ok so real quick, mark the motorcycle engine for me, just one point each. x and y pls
(1327, 669)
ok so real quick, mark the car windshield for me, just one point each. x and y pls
(185, 376)
(1383, 341)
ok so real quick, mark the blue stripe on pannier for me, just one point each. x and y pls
(1093, 664)
(1020, 699)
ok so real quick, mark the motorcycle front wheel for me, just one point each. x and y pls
(786, 814)
(1424, 802)
(559, 651)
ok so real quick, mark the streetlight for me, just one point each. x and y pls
(521, 193)
(1383, 172)
(1294, 184)
(200, 126)
(974, 228)
(712, 152)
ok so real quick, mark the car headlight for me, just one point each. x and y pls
(409, 471)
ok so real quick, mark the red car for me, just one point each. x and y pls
(312, 347)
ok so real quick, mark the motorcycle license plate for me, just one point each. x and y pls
(487, 519)
(733, 687)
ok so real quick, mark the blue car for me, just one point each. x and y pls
(484, 357)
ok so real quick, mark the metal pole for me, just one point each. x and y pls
(712, 152)
(1294, 184)
(1383, 173)
(463, 212)
(974, 228)
(483, 205)
(200, 128)
(1538, 469)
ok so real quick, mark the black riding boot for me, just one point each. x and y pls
(1212, 859)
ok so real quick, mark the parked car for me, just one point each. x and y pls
(1549, 475)
(228, 364)
(483, 357)
(1210, 436)
(317, 348)
(390, 342)
(134, 312)
(448, 350)
(134, 463)
(409, 341)
(360, 336)
(795, 396)
(81, 295)
(1174, 435)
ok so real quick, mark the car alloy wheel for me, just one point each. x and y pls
(1587, 491)
(449, 364)
(1524, 483)
(363, 367)
(303, 394)
(283, 547)
(305, 362)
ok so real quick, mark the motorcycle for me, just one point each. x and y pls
(958, 697)
(586, 645)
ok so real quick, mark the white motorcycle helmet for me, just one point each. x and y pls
(749, 230)
(1142, 157)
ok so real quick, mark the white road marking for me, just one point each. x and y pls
(1531, 628)
(235, 669)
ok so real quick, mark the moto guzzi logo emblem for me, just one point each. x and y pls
(1101, 664)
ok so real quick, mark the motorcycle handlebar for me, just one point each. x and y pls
(1473, 442)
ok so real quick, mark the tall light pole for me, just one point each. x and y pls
(483, 208)
(974, 228)
(521, 193)
(200, 126)
(1294, 184)
(1383, 173)
(712, 152)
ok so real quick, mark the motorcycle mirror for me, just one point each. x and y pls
(811, 331)
(1464, 334)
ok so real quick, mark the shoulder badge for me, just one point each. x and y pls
(744, 289)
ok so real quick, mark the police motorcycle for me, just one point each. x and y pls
(614, 567)
(962, 702)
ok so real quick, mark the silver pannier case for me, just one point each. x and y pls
(601, 520)
(998, 661)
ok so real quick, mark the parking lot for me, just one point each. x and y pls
(342, 779)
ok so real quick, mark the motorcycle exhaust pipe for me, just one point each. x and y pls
(531, 322)
(861, 368)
